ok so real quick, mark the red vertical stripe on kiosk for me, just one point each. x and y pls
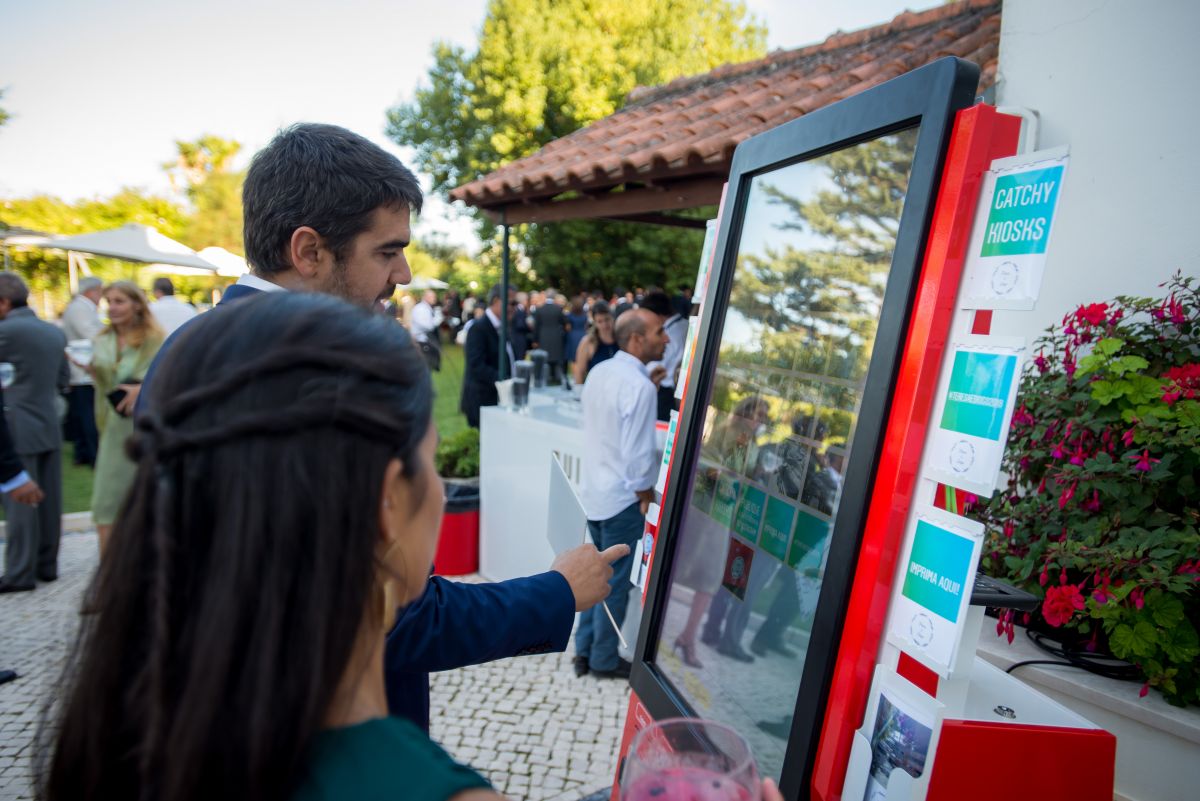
(797, 454)
(981, 134)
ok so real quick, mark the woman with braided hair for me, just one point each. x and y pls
(285, 503)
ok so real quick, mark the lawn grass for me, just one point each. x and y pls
(447, 386)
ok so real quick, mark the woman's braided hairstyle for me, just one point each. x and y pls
(239, 570)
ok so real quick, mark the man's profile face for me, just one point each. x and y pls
(375, 263)
(656, 337)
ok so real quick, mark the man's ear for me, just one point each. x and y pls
(304, 251)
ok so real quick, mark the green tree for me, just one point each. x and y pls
(204, 169)
(46, 270)
(4, 117)
(545, 68)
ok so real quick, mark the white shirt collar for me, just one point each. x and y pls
(629, 358)
(254, 282)
(492, 316)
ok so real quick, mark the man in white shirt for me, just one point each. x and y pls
(167, 308)
(81, 321)
(426, 317)
(620, 463)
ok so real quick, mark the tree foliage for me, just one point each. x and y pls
(545, 68)
(4, 117)
(46, 270)
(203, 168)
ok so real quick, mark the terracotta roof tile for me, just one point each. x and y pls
(691, 125)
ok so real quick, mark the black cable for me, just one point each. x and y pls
(1100, 664)
(1013, 667)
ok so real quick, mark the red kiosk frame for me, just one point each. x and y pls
(979, 135)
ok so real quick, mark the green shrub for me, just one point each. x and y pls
(458, 455)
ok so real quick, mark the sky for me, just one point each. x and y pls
(99, 92)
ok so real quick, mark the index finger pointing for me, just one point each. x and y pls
(613, 553)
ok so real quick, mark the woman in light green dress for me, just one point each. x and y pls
(121, 356)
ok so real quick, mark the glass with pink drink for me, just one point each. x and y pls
(689, 759)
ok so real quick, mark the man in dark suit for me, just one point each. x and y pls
(550, 331)
(33, 362)
(482, 360)
(325, 210)
(16, 484)
(518, 325)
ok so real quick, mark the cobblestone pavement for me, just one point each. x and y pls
(528, 724)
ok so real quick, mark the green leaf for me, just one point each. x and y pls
(1105, 392)
(1109, 345)
(1187, 413)
(1180, 643)
(1167, 610)
(1127, 364)
(1130, 642)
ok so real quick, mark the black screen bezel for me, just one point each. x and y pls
(928, 98)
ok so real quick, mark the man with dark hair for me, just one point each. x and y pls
(167, 309)
(482, 359)
(80, 323)
(620, 462)
(33, 371)
(325, 210)
(676, 327)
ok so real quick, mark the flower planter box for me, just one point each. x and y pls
(1158, 745)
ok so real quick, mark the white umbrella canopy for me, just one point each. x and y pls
(229, 265)
(421, 282)
(134, 242)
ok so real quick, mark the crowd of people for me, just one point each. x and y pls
(263, 621)
(575, 335)
(99, 382)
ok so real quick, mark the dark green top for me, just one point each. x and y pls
(385, 758)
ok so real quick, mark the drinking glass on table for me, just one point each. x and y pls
(689, 759)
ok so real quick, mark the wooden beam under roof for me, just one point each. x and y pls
(688, 194)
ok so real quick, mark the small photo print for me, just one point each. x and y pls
(898, 741)
(737, 567)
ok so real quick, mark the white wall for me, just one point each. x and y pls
(1117, 81)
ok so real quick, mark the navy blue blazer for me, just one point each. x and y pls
(452, 624)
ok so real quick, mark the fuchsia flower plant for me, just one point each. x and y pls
(1100, 514)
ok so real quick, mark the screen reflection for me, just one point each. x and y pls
(812, 266)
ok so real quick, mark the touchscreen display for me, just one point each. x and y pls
(798, 333)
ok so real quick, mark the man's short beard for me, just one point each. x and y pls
(337, 285)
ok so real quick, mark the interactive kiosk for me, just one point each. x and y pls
(802, 584)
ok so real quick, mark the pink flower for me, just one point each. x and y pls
(1093, 314)
(1059, 452)
(1080, 455)
(1044, 577)
(1061, 604)
(1067, 495)
(1144, 461)
(1093, 504)
(1127, 437)
(1009, 529)
(1042, 364)
(1145, 689)
(1169, 398)
(1138, 597)
(1102, 596)
(1022, 417)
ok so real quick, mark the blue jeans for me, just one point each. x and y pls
(595, 638)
